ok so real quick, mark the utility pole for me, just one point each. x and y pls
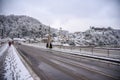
(60, 35)
(49, 38)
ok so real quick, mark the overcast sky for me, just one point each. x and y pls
(71, 15)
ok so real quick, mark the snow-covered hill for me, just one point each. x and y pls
(98, 37)
(22, 26)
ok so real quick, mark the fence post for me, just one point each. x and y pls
(80, 49)
(71, 48)
(92, 50)
(108, 52)
(60, 46)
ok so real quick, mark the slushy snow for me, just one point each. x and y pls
(15, 69)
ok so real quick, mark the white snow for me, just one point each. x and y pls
(66, 45)
(98, 37)
(15, 69)
(5, 39)
(56, 43)
(18, 39)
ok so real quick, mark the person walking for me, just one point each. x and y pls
(9, 43)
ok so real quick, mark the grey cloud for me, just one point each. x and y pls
(49, 11)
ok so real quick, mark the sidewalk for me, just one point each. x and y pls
(77, 53)
(14, 68)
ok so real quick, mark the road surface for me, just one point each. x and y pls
(54, 65)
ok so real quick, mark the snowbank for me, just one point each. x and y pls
(15, 69)
(18, 39)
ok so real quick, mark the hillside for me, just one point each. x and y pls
(98, 37)
(21, 26)
(24, 26)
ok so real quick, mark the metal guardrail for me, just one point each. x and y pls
(113, 53)
(105, 52)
